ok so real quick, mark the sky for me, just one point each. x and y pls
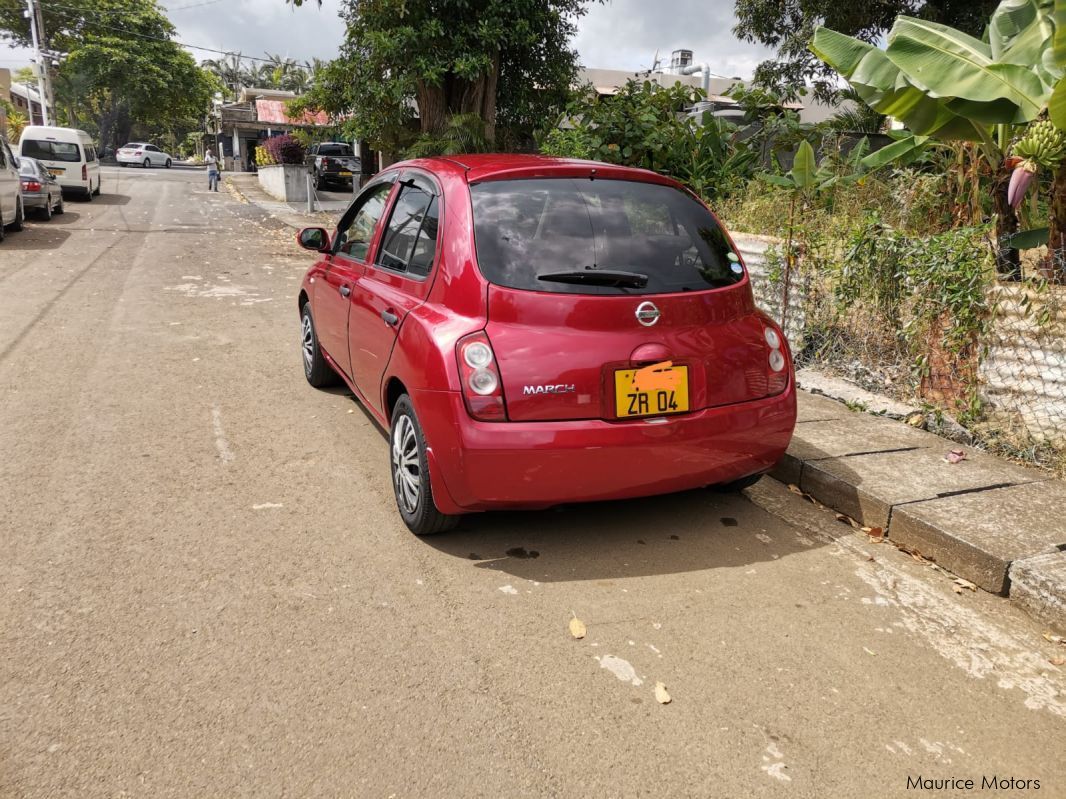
(619, 34)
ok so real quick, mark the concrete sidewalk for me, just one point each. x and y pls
(246, 186)
(992, 522)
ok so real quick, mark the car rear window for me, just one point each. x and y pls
(334, 149)
(564, 228)
(51, 150)
(28, 168)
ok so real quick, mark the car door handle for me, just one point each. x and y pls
(390, 318)
(345, 291)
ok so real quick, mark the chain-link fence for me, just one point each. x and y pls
(925, 321)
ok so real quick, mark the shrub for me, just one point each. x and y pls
(285, 150)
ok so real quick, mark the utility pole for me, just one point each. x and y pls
(37, 33)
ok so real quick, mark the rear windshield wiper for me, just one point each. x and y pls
(598, 277)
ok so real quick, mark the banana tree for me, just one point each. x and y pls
(942, 83)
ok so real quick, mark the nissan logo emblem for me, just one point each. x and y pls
(647, 314)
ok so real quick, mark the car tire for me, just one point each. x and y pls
(147, 163)
(46, 212)
(59, 206)
(167, 164)
(738, 485)
(316, 368)
(20, 216)
(99, 182)
(123, 164)
(409, 471)
(89, 194)
(3, 230)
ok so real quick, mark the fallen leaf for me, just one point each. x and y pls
(875, 533)
(955, 456)
(1057, 661)
(577, 628)
(916, 419)
(958, 589)
(963, 583)
(1055, 639)
(795, 489)
(661, 696)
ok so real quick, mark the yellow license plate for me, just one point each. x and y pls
(56, 172)
(651, 391)
(345, 174)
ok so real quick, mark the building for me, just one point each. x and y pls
(257, 115)
(608, 81)
(26, 100)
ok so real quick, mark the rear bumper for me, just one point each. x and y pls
(484, 465)
(34, 199)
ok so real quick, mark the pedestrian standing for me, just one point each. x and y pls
(212, 171)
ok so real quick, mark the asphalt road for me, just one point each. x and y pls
(207, 590)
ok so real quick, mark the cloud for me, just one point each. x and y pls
(620, 34)
(625, 34)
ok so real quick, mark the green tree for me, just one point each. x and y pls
(122, 61)
(787, 26)
(508, 62)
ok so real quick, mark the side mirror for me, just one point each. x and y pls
(313, 238)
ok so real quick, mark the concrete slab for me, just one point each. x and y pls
(868, 487)
(816, 408)
(855, 434)
(978, 536)
(1038, 584)
(846, 391)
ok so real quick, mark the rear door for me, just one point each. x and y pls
(594, 280)
(351, 248)
(395, 283)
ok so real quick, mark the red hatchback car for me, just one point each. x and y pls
(535, 331)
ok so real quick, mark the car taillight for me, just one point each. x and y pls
(31, 185)
(139, 153)
(84, 172)
(777, 360)
(482, 387)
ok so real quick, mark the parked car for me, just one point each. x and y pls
(537, 331)
(40, 191)
(68, 154)
(142, 153)
(333, 162)
(11, 210)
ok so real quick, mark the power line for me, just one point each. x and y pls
(193, 5)
(161, 38)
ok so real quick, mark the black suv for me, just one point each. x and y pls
(333, 162)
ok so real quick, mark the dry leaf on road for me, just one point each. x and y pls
(661, 696)
(961, 583)
(577, 628)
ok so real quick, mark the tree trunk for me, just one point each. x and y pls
(1054, 268)
(432, 107)
(488, 100)
(1008, 259)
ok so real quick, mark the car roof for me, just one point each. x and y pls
(504, 166)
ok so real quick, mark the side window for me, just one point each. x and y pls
(3, 153)
(152, 148)
(354, 238)
(404, 246)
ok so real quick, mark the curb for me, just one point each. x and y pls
(994, 523)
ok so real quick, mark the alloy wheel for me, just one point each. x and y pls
(406, 469)
(308, 344)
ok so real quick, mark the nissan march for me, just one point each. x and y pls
(535, 331)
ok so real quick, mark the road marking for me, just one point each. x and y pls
(221, 444)
(267, 505)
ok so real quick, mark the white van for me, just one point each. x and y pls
(67, 153)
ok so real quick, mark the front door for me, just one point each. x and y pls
(333, 294)
(394, 284)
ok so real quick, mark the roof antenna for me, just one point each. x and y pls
(592, 174)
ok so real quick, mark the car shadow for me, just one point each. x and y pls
(696, 530)
(112, 199)
(68, 217)
(35, 236)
